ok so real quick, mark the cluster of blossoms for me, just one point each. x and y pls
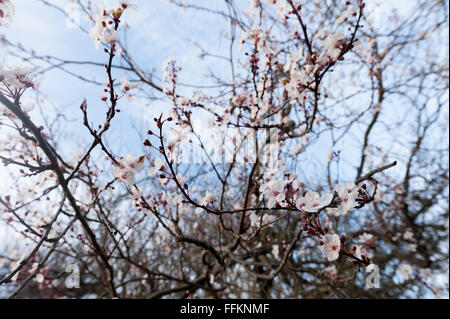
(277, 192)
(408, 237)
(6, 11)
(14, 81)
(127, 169)
(407, 272)
(106, 22)
(332, 245)
(300, 67)
(274, 191)
(332, 45)
(300, 76)
(351, 11)
(170, 77)
(347, 195)
(41, 273)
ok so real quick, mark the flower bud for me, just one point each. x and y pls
(147, 143)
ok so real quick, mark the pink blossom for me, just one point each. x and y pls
(6, 11)
(331, 246)
(312, 202)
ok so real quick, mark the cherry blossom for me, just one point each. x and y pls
(347, 195)
(40, 278)
(103, 31)
(363, 251)
(127, 169)
(331, 272)
(100, 26)
(27, 106)
(405, 270)
(127, 85)
(408, 235)
(331, 246)
(158, 164)
(367, 239)
(312, 202)
(16, 79)
(273, 190)
(331, 44)
(6, 11)
(207, 199)
(351, 11)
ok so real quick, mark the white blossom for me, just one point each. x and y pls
(207, 199)
(331, 246)
(425, 273)
(276, 250)
(127, 168)
(7, 12)
(157, 165)
(27, 106)
(331, 272)
(16, 78)
(103, 31)
(347, 195)
(273, 190)
(331, 44)
(363, 251)
(367, 239)
(312, 202)
(408, 235)
(127, 85)
(405, 270)
(40, 278)
(351, 11)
